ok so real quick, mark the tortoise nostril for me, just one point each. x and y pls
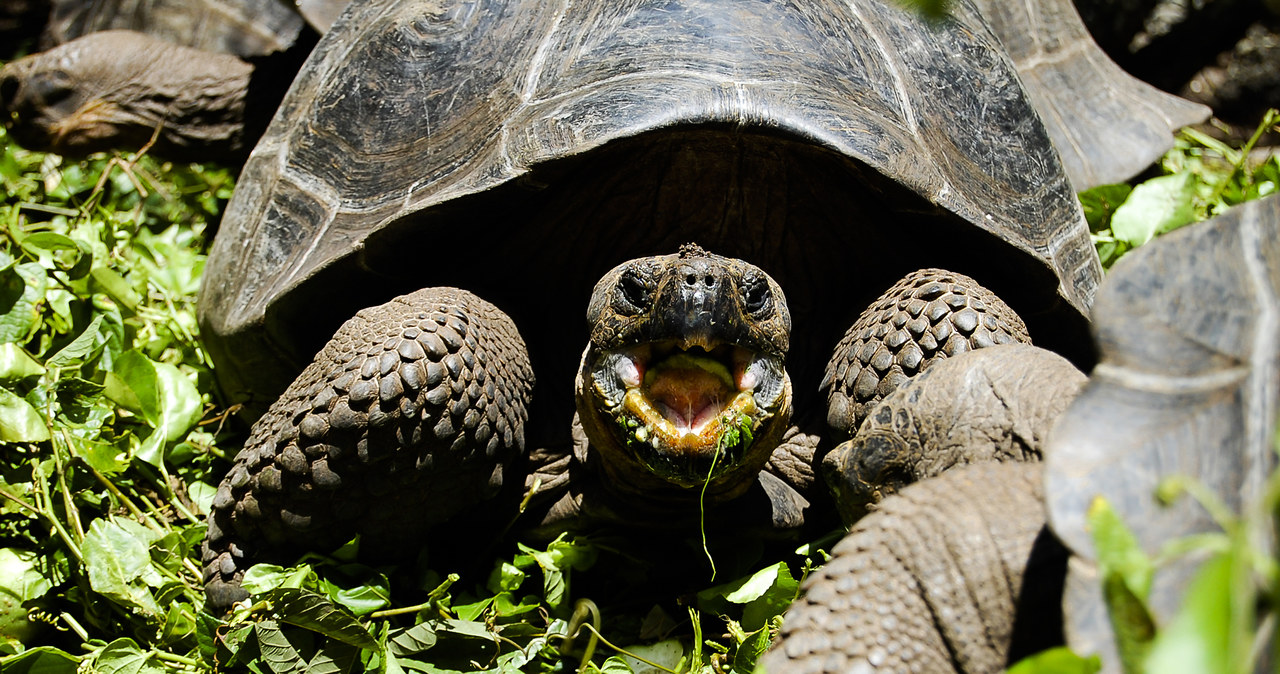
(691, 280)
(709, 281)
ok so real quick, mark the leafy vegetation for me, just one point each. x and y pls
(1201, 177)
(114, 439)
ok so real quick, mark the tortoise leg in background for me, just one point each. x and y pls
(995, 404)
(889, 600)
(405, 418)
(115, 88)
(930, 314)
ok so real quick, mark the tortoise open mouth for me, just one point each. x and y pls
(688, 412)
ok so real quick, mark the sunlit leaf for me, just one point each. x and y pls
(80, 349)
(1198, 639)
(16, 364)
(1118, 549)
(19, 421)
(1154, 207)
(105, 280)
(666, 654)
(116, 552)
(22, 289)
(1057, 661)
(123, 656)
(261, 578)
(65, 252)
(20, 580)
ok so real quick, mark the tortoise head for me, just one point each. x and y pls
(683, 377)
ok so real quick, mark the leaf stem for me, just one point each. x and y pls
(175, 658)
(46, 511)
(74, 625)
(432, 598)
(73, 513)
(124, 500)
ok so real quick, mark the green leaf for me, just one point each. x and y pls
(16, 363)
(40, 660)
(615, 665)
(20, 581)
(105, 280)
(280, 652)
(666, 653)
(1101, 202)
(166, 399)
(123, 656)
(104, 457)
(317, 613)
(22, 290)
(416, 639)
(117, 554)
(1198, 639)
(262, 578)
(750, 649)
(202, 495)
(1154, 207)
(65, 252)
(80, 349)
(506, 577)
(363, 599)
(19, 421)
(1059, 660)
(1118, 549)
(766, 593)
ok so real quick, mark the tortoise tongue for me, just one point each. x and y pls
(688, 397)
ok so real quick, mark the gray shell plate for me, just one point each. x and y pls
(406, 109)
(1107, 125)
(1188, 329)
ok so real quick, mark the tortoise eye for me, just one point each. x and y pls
(756, 295)
(635, 293)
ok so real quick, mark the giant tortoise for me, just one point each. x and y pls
(203, 77)
(674, 168)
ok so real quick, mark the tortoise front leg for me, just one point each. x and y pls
(929, 315)
(404, 419)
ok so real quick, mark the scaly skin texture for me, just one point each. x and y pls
(116, 88)
(405, 419)
(930, 314)
(992, 404)
(929, 583)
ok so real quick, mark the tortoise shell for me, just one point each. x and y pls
(520, 149)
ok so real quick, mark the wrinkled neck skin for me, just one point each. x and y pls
(623, 474)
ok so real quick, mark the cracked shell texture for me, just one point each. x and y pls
(929, 315)
(929, 583)
(403, 419)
